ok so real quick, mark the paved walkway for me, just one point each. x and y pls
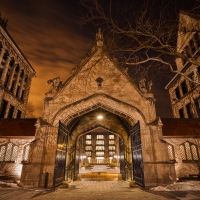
(95, 190)
(99, 190)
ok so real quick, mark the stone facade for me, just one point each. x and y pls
(16, 74)
(98, 84)
(184, 94)
(16, 136)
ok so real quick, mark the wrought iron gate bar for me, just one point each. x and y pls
(60, 161)
(138, 169)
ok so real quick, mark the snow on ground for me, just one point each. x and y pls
(179, 186)
(5, 184)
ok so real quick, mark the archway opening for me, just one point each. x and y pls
(101, 145)
(99, 155)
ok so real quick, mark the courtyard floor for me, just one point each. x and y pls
(101, 184)
(95, 190)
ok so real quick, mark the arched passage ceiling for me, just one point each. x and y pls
(90, 121)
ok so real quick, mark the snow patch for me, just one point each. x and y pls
(183, 186)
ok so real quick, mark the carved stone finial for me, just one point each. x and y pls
(56, 85)
(3, 22)
(99, 38)
(145, 86)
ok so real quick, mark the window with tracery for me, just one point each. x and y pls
(8, 152)
(26, 153)
(189, 151)
(170, 152)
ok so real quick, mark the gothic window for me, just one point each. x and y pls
(19, 113)
(192, 46)
(111, 153)
(111, 147)
(7, 79)
(12, 62)
(99, 148)
(197, 40)
(191, 76)
(100, 142)
(111, 137)
(111, 141)
(197, 105)
(3, 108)
(11, 111)
(88, 148)
(184, 87)
(88, 137)
(12, 86)
(26, 153)
(170, 152)
(189, 151)
(100, 153)
(187, 51)
(100, 136)
(181, 114)
(22, 95)
(88, 142)
(8, 152)
(22, 74)
(17, 93)
(5, 57)
(177, 92)
(189, 110)
(1, 71)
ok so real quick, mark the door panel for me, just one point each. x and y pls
(60, 162)
(138, 169)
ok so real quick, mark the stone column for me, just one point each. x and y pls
(7, 110)
(3, 78)
(11, 77)
(21, 87)
(158, 169)
(27, 89)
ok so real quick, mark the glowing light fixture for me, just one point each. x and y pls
(100, 117)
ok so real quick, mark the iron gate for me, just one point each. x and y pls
(138, 169)
(60, 162)
(122, 161)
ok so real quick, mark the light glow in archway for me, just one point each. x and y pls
(100, 117)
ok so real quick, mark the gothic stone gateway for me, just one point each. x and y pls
(98, 84)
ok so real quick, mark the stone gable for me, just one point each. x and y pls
(83, 84)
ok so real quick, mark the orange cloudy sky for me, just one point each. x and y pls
(48, 34)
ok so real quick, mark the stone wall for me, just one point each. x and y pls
(184, 168)
(13, 168)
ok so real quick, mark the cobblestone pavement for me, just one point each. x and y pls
(99, 190)
(95, 190)
(18, 193)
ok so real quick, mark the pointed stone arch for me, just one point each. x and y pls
(131, 113)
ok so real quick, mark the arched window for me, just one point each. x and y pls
(189, 151)
(170, 152)
(8, 152)
(26, 153)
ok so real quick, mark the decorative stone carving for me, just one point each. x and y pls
(145, 86)
(56, 85)
(99, 38)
